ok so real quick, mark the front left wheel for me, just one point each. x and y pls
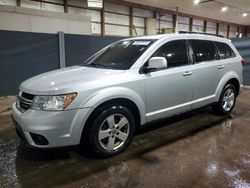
(111, 130)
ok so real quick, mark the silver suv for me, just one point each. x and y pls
(101, 102)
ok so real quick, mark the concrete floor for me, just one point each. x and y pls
(196, 149)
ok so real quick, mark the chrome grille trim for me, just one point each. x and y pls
(23, 104)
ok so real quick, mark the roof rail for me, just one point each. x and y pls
(191, 32)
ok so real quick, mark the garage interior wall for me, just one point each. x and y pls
(119, 18)
(36, 49)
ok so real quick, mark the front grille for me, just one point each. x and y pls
(27, 96)
(24, 101)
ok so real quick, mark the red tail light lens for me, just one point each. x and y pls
(243, 62)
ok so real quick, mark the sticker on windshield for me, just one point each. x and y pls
(142, 43)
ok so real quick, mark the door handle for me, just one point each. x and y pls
(221, 67)
(188, 73)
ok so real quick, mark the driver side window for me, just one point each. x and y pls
(175, 53)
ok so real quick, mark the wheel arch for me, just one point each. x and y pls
(230, 77)
(118, 95)
(116, 101)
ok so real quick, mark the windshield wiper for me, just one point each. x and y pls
(98, 65)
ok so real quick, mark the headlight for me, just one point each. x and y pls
(58, 102)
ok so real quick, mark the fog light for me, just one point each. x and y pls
(39, 139)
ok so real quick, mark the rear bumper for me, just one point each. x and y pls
(59, 128)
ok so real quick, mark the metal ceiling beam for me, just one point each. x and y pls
(206, 1)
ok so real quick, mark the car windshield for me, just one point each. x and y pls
(120, 55)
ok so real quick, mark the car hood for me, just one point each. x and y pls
(65, 80)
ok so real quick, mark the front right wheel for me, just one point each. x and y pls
(227, 100)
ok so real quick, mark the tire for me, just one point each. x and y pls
(227, 101)
(110, 130)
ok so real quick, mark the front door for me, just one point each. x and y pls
(169, 91)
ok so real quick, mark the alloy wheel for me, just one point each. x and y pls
(113, 132)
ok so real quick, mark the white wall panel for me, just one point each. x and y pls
(211, 30)
(223, 30)
(222, 27)
(116, 8)
(8, 2)
(139, 31)
(116, 18)
(232, 34)
(223, 33)
(198, 22)
(166, 17)
(138, 22)
(142, 13)
(183, 27)
(95, 15)
(211, 24)
(38, 21)
(182, 19)
(52, 7)
(166, 24)
(43, 6)
(233, 28)
(197, 29)
(31, 4)
(116, 30)
(96, 28)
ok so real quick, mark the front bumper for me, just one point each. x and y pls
(60, 128)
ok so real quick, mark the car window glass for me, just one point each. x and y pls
(121, 55)
(203, 50)
(225, 50)
(175, 53)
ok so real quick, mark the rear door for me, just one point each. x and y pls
(208, 71)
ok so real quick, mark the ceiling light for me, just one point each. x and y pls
(224, 9)
(196, 2)
(244, 14)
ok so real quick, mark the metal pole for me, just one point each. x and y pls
(176, 19)
(61, 49)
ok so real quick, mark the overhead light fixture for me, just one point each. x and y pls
(224, 9)
(244, 14)
(196, 2)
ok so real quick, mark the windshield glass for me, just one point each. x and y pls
(120, 55)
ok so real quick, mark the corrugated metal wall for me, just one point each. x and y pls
(25, 54)
(243, 46)
(80, 47)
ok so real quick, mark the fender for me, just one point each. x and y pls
(101, 96)
(228, 76)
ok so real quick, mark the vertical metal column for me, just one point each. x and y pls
(176, 20)
(61, 49)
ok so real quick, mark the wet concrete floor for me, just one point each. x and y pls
(196, 149)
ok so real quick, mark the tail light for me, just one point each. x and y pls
(243, 62)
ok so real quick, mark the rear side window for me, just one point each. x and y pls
(225, 51)
(203, 50)
(175, 53)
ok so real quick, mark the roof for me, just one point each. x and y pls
(176, 35)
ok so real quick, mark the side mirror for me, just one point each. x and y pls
(157, 63)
